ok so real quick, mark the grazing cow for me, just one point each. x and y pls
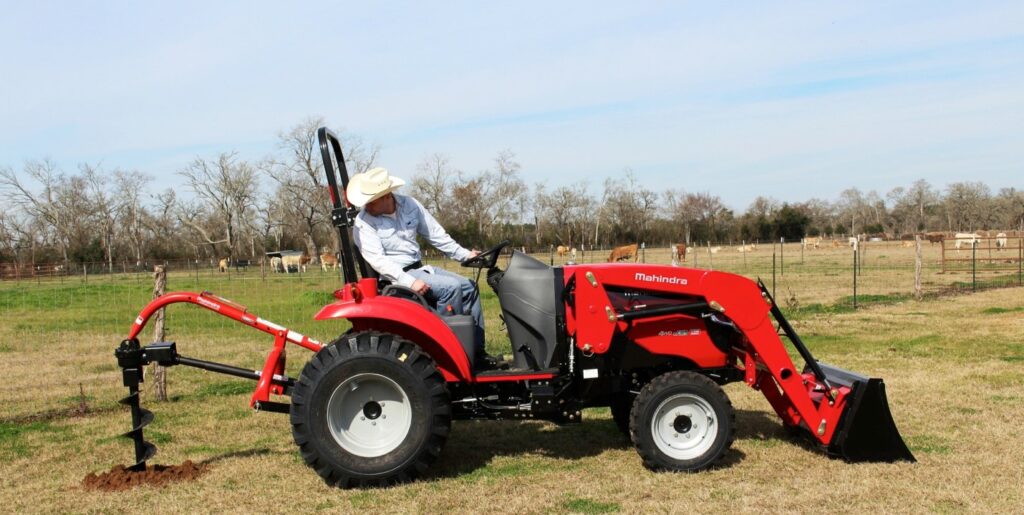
(223, 265)
(623, 253)
(750, 247)
(328, 261)
(935, 237)
(812, 242)
(714, 250)
(965, 238)
(295, 260)
(561, 250)
(1001, 241)
(276, 265)
(572, 253)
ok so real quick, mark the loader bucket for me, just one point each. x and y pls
(866, 430)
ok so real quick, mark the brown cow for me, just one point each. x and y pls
(623, 253)
(935, 237)
(562, 250)
(679, 252)
(328, 261)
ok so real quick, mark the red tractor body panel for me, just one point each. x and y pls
(361, 305)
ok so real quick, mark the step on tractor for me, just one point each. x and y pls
(655, 343)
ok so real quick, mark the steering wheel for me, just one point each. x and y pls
(487, 258)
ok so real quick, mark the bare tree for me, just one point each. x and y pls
(44, 205)
(967, 206)
(301, 181)
(103, 209)
(432, 184)
(227, 187)
(130, 211)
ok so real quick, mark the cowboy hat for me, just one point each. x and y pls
(371, 185)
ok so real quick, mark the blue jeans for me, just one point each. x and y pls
(449, 289)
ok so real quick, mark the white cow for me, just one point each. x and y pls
(276, 265)
(1001, 241)
(853, 241)
(969, 239)
(298, 261)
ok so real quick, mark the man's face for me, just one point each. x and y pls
(382, 206)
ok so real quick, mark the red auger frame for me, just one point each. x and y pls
(655, 343)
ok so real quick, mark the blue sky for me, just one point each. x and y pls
(791, 100)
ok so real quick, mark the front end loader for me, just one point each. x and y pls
(654, 343)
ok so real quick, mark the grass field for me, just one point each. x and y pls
(953, 365)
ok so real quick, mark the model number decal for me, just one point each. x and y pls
(681, 332)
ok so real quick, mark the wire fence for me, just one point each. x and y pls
(103, 299)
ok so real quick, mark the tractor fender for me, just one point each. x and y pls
(410, 321)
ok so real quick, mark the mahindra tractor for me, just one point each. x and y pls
(653, 343)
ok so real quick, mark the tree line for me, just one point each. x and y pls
(241, 209)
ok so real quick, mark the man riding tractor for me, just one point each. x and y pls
(385, 232)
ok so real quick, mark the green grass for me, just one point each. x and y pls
(586, 505)
(995, 310)
(13, 437)
(928, 444)
(226, 388)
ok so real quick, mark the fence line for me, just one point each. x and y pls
(89, 298)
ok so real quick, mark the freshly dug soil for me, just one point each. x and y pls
(120, 478)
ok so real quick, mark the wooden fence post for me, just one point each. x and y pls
(917, 267)
(159, 372)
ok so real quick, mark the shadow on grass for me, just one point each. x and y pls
(248, 453)
(474, 445)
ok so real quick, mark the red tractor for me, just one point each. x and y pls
(654, 343)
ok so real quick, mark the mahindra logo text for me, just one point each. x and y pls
(651, 278)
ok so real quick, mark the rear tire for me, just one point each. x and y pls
(370, 409)
(682, 422)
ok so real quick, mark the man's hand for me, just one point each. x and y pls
(420, 287)
(473, 253)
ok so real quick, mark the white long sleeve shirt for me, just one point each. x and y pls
(388, 242)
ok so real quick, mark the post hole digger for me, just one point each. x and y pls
(654, 343)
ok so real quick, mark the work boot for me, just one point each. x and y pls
(487, 362)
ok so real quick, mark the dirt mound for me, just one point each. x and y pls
(121, 478)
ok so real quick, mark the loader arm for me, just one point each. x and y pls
(810, 399)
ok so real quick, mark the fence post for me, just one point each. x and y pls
(711, 259)
(974, 266)
(773, 271)
(643, 252)
(1020, 259)
(782, 256)
(917, 267)
(855, 263)
(743, 245)
(159, 372)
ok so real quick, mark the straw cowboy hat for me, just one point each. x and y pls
(371, 185)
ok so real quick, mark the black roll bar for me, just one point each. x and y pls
(343, 213)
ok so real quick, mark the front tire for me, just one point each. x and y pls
(682, 422)
(370, 409)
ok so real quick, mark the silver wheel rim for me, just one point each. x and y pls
(369, 415)
(684, 426)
